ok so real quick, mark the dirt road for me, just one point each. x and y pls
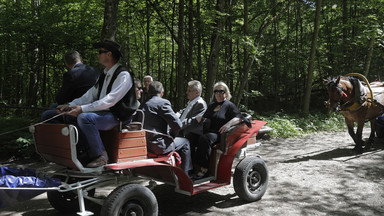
(313, 175)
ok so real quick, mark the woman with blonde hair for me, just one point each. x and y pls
(221, 114)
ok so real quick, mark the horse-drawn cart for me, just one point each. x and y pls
(130, 161)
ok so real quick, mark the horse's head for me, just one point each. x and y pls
(339, 90)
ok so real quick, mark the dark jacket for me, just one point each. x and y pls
(158, 116)
(76, 82)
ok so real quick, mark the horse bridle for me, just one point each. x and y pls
(341, 92)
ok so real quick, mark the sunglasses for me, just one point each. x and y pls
(103, 51)
(219, 91)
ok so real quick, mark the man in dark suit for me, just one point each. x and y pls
(77, 80)
(191, 128)
(158, 115)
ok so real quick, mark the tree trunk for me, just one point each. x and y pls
(229, 52)
(180, 58)
(172, 89)
(369, 56)
(308, 89)
(190, 42)
(213, 60)
(345, 43)
(199, 30)
(35, 61)
(110, 20)
(147, 52)
(259, 35)
(244, 76)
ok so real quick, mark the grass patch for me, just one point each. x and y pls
(292, 125)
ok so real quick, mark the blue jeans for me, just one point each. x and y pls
(89, 124)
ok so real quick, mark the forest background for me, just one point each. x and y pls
(273, 54)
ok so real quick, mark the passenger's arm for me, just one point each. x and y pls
(197, 112)
(230, 123)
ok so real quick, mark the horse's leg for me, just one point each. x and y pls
(371, 135)
(359, 135)
(350, 130)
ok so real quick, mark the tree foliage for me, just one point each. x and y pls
(265, 65)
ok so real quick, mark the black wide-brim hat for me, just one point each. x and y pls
(110, 46)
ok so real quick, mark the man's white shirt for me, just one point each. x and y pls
(120, 87)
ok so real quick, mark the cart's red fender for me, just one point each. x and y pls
(157, 168)
(225, 163)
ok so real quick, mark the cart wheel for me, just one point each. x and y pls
(250, 180)
(67, 202)
(130, 199)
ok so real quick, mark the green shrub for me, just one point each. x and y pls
(16, 141)
(292, 125)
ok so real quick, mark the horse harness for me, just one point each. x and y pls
(350, 105)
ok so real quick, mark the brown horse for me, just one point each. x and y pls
(356, 102)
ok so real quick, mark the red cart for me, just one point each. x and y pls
(131, 161)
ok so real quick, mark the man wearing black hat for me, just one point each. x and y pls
(103, 106)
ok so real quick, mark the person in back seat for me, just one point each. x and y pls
(219, 117)
(145, 94)
(191, 128)
(77, 80)
(138, 89)
(158, 115)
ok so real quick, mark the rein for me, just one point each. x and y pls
(12, 131)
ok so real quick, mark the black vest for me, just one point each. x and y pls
(123, 109)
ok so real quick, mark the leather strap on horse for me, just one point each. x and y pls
(370, 100)
(366, 81)
(357, 102)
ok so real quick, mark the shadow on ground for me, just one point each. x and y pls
(343, 154)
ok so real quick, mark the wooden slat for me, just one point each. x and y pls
(132, 134)
(132, 142)
(61, 161)
(119, 160)
(55, 150)
(53, 139)
(50, 128)
(132, 152)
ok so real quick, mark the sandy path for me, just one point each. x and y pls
(314, 175)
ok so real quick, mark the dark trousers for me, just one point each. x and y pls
(193, 141)
(204, 148)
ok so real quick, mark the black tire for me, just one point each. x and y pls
(67, 202)
(130, 199)
(250, 179)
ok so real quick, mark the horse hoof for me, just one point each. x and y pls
(358, 150)
(367, 147)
